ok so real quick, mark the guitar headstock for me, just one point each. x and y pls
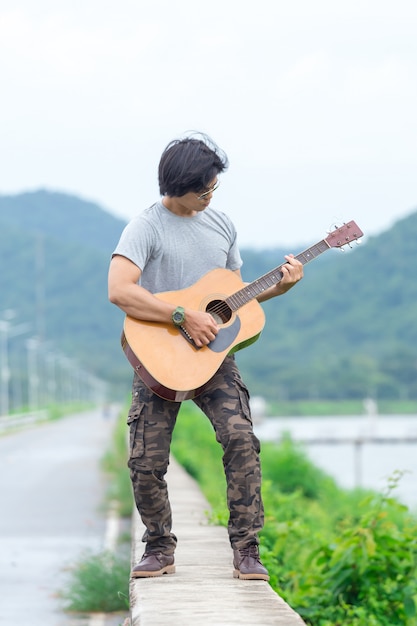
(344, 235)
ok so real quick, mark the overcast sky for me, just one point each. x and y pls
(314, 102)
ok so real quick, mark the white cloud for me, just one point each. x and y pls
(314, 102)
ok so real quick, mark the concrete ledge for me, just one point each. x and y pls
(203, 591)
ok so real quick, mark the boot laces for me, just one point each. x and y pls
(251, 551)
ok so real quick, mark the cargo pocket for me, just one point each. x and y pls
(244, 398)
(246, 412)
(136, 422)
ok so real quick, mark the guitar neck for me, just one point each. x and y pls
(258, 286)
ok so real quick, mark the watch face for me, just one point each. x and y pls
(178, 316)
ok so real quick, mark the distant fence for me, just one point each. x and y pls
(20, 420)
(357, 443)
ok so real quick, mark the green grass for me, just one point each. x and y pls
(99, 583)
(195, 448)
(310, 408)
(336, 556)
(114, 464)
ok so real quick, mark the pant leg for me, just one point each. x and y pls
(151, 420)
(226, 403)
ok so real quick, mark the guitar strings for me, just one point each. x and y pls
(222, 308)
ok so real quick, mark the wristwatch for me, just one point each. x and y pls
(178, 316)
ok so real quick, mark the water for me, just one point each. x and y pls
(352, 449)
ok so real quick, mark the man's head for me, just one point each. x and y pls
(190, 164)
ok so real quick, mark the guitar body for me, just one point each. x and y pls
(167, 361)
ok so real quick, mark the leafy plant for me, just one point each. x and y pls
(195, 447)
(336, 556)
(100, 582)
(291, 470)
(364, 570)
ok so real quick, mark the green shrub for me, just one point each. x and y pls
(336, 556)
(368, 569)
(194, 446)
(99, 582)
(289, 468)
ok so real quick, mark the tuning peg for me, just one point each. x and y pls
(332, 228)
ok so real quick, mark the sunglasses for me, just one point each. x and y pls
(209, 191)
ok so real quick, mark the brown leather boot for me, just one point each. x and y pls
(154, 564)
(248, 565)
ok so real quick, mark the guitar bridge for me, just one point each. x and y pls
(189, 338)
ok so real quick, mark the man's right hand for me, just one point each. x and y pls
(201, 327)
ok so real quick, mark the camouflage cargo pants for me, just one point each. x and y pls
(226, 403)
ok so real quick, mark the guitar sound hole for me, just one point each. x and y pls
(219, 310)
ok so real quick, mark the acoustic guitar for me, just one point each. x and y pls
(165, 356)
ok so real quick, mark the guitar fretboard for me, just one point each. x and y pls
(258, 286)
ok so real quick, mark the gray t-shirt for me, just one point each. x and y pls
(173, 252)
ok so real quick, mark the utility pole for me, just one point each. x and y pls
(4, 367)
(7, 331)
(33, 373)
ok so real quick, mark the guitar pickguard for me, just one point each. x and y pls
(225, 336)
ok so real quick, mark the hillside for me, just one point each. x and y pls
(347, 330)
(57, 249)
(62, 217)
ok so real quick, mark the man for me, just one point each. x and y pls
(166, 248)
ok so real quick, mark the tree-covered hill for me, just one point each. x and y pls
(347, 330)
(55, 251)
(62, 217)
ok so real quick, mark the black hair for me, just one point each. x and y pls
(190, 164)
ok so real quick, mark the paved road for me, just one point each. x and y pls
(51, 497)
